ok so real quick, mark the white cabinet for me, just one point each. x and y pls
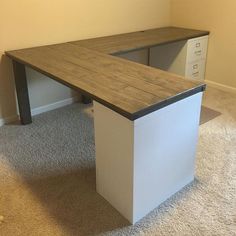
(197, 49)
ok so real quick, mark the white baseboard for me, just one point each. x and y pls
(42, 109)
(222, 87)
(8, 120)
(53, 106)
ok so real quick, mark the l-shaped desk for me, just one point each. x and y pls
(146, 119)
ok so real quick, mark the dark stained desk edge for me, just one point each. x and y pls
(168, 101)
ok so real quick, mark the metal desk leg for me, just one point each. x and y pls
(86, 100)
(148, 59)
(22, 93)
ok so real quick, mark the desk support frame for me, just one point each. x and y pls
(85, 99)
(141, 163)
(22, 92)
(148, 56)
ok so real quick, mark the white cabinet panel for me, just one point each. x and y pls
(140, 56)
(170, 57)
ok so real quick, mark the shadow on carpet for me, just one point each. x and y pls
(56, 158)
(208, 114)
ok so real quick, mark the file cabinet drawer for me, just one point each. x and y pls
(196, 70)
(197, 49)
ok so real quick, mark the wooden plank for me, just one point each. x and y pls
(88, 82)
(125, 71)
(129, 88)
(118, 44)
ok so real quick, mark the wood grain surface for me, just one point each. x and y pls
(118, 44)
(129, 88)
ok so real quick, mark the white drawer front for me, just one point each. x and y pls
(197, 49)
(196, 70)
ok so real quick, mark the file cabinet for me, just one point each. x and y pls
(196, 58)
(197, 49)
(196, 69)
(186, 58)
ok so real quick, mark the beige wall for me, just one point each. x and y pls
(28, 23)
(218, 17)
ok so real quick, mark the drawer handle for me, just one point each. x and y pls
(198, 52)
(195, 66)
(198, 45)
(196, 74)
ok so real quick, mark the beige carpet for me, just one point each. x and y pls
(47, 179)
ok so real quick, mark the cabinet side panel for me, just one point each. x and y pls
(170, 57)
(114, 159)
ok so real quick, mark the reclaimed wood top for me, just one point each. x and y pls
(129, 88)
(121, 43)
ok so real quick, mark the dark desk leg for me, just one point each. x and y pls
(85, 99)
(148, 60)
(22, 93)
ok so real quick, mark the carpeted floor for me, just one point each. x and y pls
(47, 179)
